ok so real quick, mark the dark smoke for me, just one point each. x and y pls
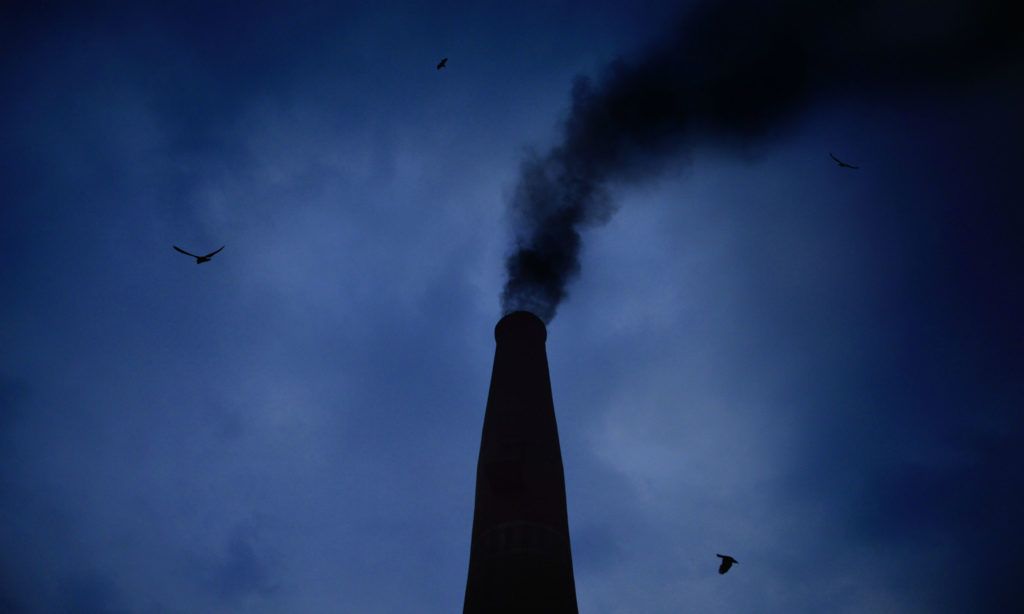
(730, 70)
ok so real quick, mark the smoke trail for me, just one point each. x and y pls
(731, 69)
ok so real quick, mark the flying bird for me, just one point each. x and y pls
(442, 63)
(841, 163)
(727, 562)
(199, 259)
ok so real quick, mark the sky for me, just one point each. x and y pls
(817, 370)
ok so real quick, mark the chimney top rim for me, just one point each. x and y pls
(520, 324)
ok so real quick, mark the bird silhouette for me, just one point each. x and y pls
(841, 163)
(199, 259)
(442, 63)
(727, 562)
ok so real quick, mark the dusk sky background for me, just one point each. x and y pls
(817, 370)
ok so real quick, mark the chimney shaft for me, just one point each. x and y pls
(520, 560)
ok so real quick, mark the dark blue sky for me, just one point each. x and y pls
(816, 370)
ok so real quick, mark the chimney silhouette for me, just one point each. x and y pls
(520, 560)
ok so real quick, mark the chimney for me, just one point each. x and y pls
(520, 560)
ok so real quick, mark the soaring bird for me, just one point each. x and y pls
(442, 63)
(841, 163)
(199, 259)
(727, 562)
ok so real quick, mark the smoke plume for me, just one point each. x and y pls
(730, 70)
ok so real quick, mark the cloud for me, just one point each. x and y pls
(90, 593)
(14, 394)
(243, 573)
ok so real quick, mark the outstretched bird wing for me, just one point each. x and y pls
(727, 562)
(214, 253)
(186, 253)
(840, 162)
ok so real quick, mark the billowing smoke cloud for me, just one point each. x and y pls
(730, 70)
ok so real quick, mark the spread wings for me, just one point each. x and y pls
(210, 255)
(840, 162)
(727, 562)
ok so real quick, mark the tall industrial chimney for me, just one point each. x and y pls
(520, 560)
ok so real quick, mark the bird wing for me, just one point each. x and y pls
(184, 252)
(214, 253)
(852, 166)
(838, 161)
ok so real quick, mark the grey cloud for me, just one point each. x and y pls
(244, 571)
